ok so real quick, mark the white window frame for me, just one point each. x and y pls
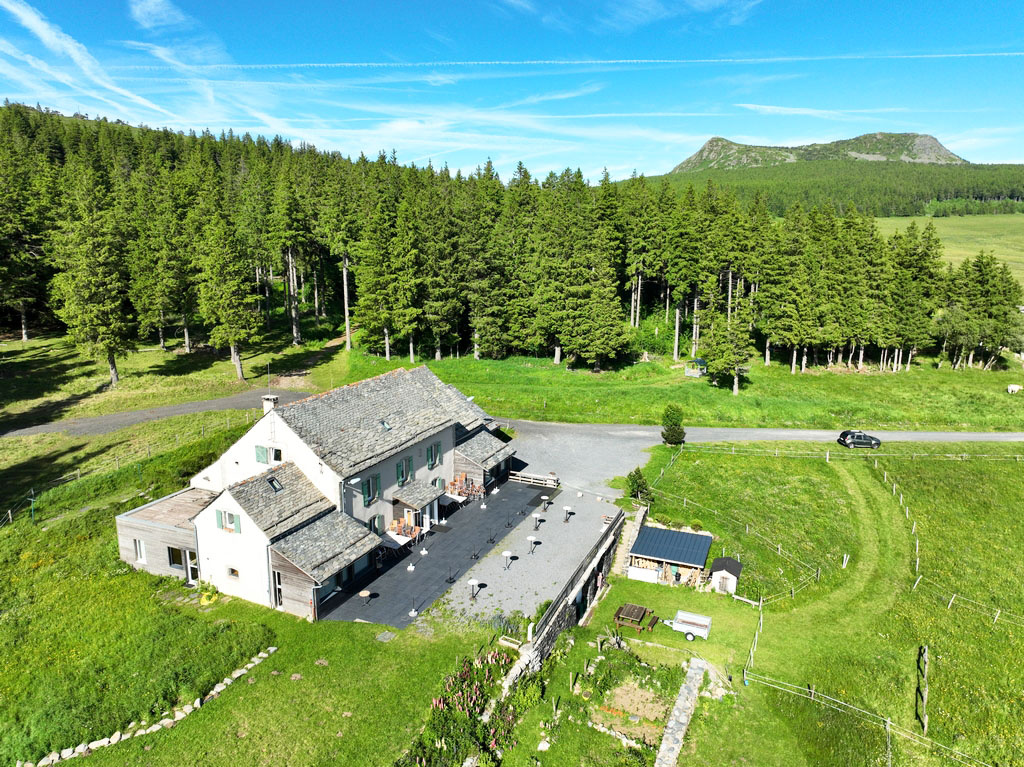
(140, 550)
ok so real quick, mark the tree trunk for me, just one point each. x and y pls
(476, 345)
(24, 321)
(632, 304)
(344, 282)
(437, 352)
(160, 333)
(639, 296)
(188, 340)
(860, 358)
(293, 300)
(675, 346)
(387, 345)
(558, 355)
(728, 305)
(910, 358)
(316, 297)
(970, 359)
(412, 351)
(767, 353)
(668, 293)
(792, 363)
(112, 364)
(803, 361)
(696, 328)
(735, 383)
(829, 357)
(236, 357)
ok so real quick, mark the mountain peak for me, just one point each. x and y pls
(720, 153)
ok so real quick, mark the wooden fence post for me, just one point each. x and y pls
(914, 587)
(997, 616)
(951, 601)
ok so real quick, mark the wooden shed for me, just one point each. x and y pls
(673, 557)
(483, 458)
(725, 574)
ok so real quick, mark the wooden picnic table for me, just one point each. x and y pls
(636, 616)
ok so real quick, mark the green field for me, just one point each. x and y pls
(91, 645)
(964, 236)
(855, 635)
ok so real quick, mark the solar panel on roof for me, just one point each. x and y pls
(672, 546)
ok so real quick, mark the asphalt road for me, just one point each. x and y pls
(102, 424)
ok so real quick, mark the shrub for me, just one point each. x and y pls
(672, 431)
(638, 486)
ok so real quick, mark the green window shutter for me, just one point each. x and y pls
(438, 459)
(220, 518)
(238, 523)
(398, 471)
(376, 485)
(408, 468)
(367, 492)
(261, 454)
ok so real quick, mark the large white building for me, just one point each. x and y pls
(301, 505)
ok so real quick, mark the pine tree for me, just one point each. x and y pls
(227, 301)
(728, 345)
(91, 291)
(672, 431)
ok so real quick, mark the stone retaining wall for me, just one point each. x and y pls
(138, 729)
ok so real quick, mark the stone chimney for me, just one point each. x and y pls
(269, 402)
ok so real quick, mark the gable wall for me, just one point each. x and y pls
(239, 461)
(246, 551)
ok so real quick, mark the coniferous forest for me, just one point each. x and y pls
(120, 233)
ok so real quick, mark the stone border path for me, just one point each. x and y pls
(686, 703)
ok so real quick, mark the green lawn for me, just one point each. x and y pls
(91, 645)
(856, 634)
(964, 236)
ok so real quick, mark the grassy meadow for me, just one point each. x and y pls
(964, 236)
(91, 645)
(855, 635)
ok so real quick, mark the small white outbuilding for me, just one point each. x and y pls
(725, 574)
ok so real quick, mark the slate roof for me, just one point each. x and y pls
(327, 544)
(417, 493)
(730, 565)
(277, 512)
(358, 425)
(485, 450)
(672, 546)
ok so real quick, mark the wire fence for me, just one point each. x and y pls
(810, 693)
(846, 454)
(25, 504)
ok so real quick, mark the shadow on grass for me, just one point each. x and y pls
(39, 473)
(46, 412)
(37, 371)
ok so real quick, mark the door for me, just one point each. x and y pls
(191, 567)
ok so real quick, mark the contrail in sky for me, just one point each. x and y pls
(594, 62)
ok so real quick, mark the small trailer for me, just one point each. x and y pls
(690, 624)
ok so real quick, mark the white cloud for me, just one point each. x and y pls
(51, 36)
(825, 114)
(151, 14)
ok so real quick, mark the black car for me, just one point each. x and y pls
(856, 438)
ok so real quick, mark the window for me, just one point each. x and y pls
(276, 451)
(275, 484)
(278, 590)
(261, 454)
(232, 572)
(385, 426)
(404, 470)
(228, 520)
(140, 551)
(268, 454)
(433, 455)
(439, 483)
(175, 559)
(371, 489)
(376, 524)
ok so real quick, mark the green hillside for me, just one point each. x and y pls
(721, 154)
(964, 236)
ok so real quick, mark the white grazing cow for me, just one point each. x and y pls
(1013, 388)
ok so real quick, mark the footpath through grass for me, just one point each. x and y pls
(855, 635)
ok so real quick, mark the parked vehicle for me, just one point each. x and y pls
(857, 438)
(691, 625)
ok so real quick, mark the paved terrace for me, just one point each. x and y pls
(450, 552)
(531, 579)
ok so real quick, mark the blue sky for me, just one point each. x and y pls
(626, 84)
